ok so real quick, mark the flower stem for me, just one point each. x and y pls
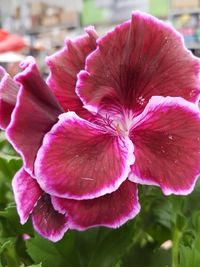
(175, 248)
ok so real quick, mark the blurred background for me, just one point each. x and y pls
(39, 27)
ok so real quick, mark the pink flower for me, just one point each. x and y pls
(115, 112)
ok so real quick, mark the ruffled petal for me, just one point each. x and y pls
(35, 113)
(166, 138)
(111, 210)
(139, 59)
(80, 160)
(29, 199)
(65, 65)
(47, 221)
(26, 192)
(8, 96)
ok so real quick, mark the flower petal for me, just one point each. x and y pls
(65, 65)
(26, 192)
(8, 96)
(79, 160)
(35, 112)
(166, 138)
(139, 59)
(47, 221)
(111, 210)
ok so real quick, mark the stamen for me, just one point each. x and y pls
(118, 129)
(115, 123)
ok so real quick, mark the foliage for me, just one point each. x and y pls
(139, 243)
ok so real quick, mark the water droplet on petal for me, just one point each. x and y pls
(170, 137)
(141, 100)
(162, 149)
(192, 93)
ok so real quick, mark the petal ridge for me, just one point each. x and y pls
(111, 210)
(26, 193)
(47, 221)
(35, 101)
(64, 66)
(83, 151)
(132, 72)
(8, 96)
(166, 137)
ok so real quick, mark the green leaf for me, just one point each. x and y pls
(8, 169)
(113, 246)
(60, 254)
(2, 136)
(196, 220)
(8, 254)
(190, 245)
(180, 222)
(86, 243)
(8, 157)
(189, 257)
(34, 265)
(4, 246)
(9, 166)
(11, 225)
(149, 255)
